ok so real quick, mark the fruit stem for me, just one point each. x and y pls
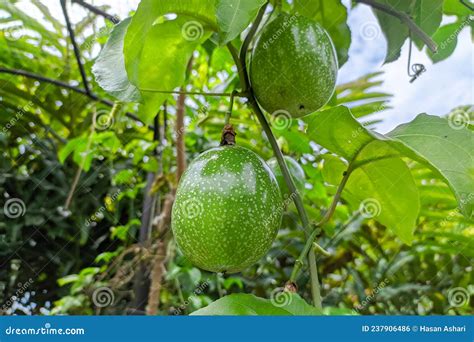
(405, 18)
(228, 114)
(240, 61)
(319, 249)
(310, 241)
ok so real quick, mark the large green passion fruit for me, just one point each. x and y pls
(293, 66)
(227, 211)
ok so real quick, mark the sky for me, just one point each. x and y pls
(442, 87)
(445, 85)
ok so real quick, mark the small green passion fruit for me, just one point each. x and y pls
(296, 172)
(228, 209)
(293, 66)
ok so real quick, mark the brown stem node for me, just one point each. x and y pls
(228, 135)
(291, 286)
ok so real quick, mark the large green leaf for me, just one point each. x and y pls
(156, 53)
(384, 190)
(234, 16)
(109, 67)
(394, 30)
(433, 141)
(284, 304)
(381, 183)
(332, 15)
(163, 63)
(449, 150)
(455, 7)
(447, 38)
(143, 21)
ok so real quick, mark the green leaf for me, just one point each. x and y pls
(73, 145)
(246, 304)
(332, 15)
(384, 190)
(156, 53)
(143, 21)
(455, 7)
(234, 16)
(394, 30)
(69, 279)
(427, 14)
(447, 148)
(381, 184)
(109, 67)
(333, 169)
(447, 38)
(165, 55)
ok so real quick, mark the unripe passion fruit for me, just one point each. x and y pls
(293, 67)
(227, 211)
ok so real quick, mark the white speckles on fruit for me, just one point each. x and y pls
(293, 66)
(241, 209)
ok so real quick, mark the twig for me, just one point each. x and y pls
(75, 182)
(142, 284)
(69, 87)
(320, 249)
(98, 11)
(310, 240)
(405, 18)
(183, 92)
(248, 40)
(180, 130)
(77, 52)
(228, 114)
(77, 176)
(158, 268)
